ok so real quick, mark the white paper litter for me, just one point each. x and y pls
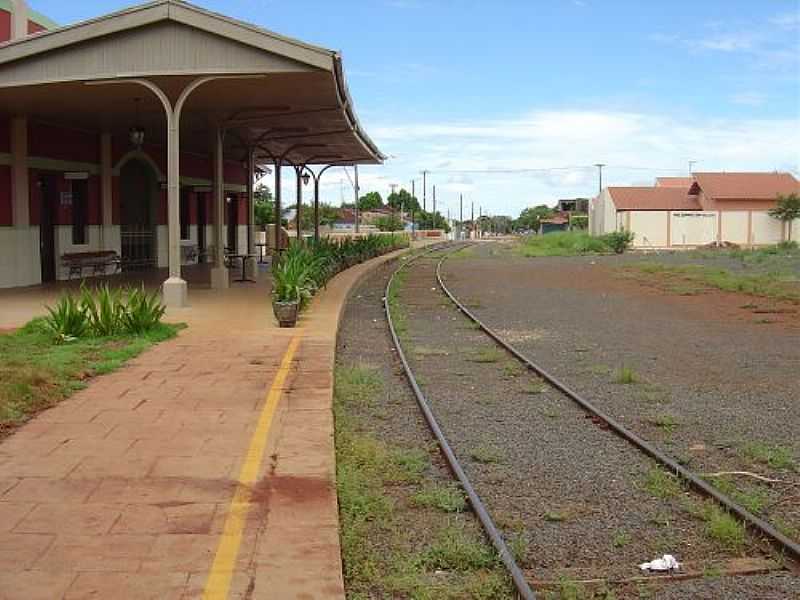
(665, 563)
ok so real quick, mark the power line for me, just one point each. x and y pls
(550, 169)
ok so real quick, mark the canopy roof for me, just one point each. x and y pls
(272, 92)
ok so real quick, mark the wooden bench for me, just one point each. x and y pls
(98, 262)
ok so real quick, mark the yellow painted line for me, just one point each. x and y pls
(222, 569)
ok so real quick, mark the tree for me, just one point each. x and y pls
(328, 215)
(787, 210)
(389, 223)
(263, 206)
(426, 220)
(402, 200)
(530, 218)
(370, 201)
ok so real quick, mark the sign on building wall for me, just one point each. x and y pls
(66, 198)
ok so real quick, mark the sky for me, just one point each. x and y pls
(547, 88)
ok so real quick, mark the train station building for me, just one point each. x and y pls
(138, 135)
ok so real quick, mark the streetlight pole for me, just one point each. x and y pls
(424, 190)
(460, 216)
(472, 219)
(600, 176)
(434, 202)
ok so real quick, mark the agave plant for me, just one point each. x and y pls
(104, 310)
(143, 311)
(67, 321)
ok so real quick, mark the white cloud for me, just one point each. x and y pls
(636, 147)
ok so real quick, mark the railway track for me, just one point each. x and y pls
(427, 268)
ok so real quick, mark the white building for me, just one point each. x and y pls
(706, 208)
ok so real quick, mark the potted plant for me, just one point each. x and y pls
(293, 283)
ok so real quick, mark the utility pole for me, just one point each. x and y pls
(393, 187)
(480, 222)
(413, 191)
(460, 216)
(355, 187)
(472, 220)
(600, 174)
(424, 190)
(434, 201)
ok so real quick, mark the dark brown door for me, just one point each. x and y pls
(233, 223)
(47, 232)
(202, 221)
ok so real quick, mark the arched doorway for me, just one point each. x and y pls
(138, 215)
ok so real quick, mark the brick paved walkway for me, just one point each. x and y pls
(123, 491)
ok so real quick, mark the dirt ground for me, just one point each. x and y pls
(712, 385)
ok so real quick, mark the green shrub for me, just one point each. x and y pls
(306, 267)
(67, 321)
(143, 311)
(104, 312)
(104, 308)
(618, 241)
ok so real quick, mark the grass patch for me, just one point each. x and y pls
(512, 369)
(724, 529)
(667, 423)
(567, 243)
(448, 498)
(492, 354)
(454, 550)
(36, 373)
(661, 484)
(753, 500)
(771, 284)
(379, 484)
(777, 457)
(625, 375)
(486, 454)
(621, 539)
(534, 388)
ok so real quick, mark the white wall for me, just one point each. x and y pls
(602, 214)
(20, 264)
(649, 228)
(766, 230)
(734, 227)
(693, 228)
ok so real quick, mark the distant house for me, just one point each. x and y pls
(558, 222)
(704, 209)
(573, 205)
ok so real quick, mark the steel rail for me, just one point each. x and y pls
(754, 522)
(520, 583)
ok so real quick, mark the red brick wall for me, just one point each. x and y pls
(5, 25)
(5, 195)
(63, 143)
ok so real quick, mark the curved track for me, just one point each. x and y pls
(523, 588)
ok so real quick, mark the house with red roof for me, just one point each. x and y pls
(706, 208)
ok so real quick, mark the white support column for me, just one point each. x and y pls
(19, 19)
(175, 290)
(20, 185)
(106, 191)
(219, 273)
(252, 265)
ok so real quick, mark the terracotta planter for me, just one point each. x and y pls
(286, 312)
